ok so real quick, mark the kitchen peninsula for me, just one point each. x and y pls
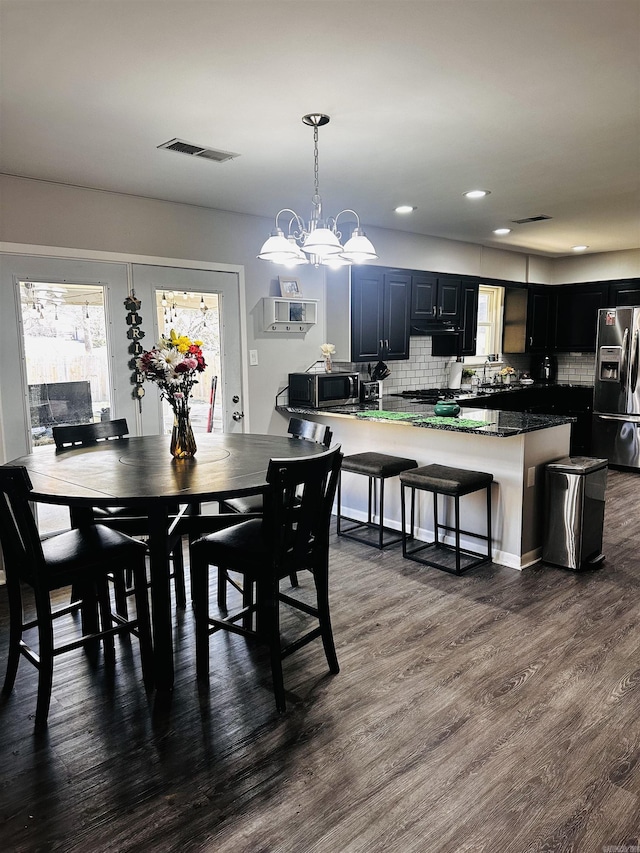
(513, 446)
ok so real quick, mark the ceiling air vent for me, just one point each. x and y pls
(192, 150)
(531, 219)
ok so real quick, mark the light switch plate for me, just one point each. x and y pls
(253, 357)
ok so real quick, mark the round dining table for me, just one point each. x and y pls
(141, 474)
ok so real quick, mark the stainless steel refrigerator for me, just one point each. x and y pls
(616, 395)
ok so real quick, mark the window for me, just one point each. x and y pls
(489, 331)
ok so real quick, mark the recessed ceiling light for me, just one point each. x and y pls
(501, 231)
(476, 193)
(405, 208)
(579, 248)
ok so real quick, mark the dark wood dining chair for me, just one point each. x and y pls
(291, 536)
(81, 435)
(125, 519)
(81, 557)
(298, 428)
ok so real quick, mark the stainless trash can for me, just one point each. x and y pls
(575, 488)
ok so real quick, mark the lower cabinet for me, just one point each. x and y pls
(573, 401)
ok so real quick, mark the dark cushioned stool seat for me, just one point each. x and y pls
(375, 466)
(455, 483)
(446, 480)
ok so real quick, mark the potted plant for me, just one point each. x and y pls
(467, 376)
(508, 375)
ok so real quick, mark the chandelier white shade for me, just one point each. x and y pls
(319, 241)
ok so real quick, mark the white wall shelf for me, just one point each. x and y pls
(282, 314)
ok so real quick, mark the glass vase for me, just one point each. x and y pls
(183, 443)
(328, 366)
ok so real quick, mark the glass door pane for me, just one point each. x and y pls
(196, 315)
(65, 346)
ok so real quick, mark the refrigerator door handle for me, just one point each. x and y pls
(627, 419)
(625, 358)
(633, 379)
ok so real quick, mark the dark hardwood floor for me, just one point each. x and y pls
(497, 712)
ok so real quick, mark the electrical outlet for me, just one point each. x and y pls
(253, 357)
(531, 477)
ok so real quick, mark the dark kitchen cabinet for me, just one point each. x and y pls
(468, 317)
(624, 293)
(577, 309)
(380, 311)
(436, 299)
(572, 400)
(541, 319)
(460, 340)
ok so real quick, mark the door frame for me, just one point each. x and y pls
(62, 253)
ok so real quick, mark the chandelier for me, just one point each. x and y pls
(319, 241)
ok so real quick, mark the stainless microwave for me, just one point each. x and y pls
(319, 390)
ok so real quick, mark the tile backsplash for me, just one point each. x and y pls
(422, 370)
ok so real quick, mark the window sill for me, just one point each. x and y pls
(480, 361)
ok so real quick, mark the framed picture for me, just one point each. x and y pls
(289, 286)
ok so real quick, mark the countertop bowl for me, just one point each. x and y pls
(446, 409)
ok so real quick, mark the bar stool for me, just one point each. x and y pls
(455, 483)
(374, 466)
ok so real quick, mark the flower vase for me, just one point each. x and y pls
(328, 366)
(183, 443)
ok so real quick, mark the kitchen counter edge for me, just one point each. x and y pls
(498, 424)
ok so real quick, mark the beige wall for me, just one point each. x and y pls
(55, 215)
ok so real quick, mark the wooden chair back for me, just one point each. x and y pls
(310, 431)
(19, 535)
(297, 510)
(81, 435)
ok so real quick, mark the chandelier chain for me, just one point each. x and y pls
(316, 169)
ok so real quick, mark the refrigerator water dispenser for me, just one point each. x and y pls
(609, 361)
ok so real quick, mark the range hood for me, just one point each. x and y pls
(431, 327)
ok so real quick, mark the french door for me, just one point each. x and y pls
(214, 314)
(115, 280)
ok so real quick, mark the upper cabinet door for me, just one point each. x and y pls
(423, 296)
(469, 317)
(624, 293)
(367, 313)
(448, 301)
(397, 293)
(541, 319)
(577, 312)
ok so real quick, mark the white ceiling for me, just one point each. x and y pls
(535, 100)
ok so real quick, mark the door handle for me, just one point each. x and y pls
(237, 416)
(624, 362)
(633, 379)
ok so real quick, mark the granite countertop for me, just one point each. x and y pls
(491, 390)
(470, 420)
